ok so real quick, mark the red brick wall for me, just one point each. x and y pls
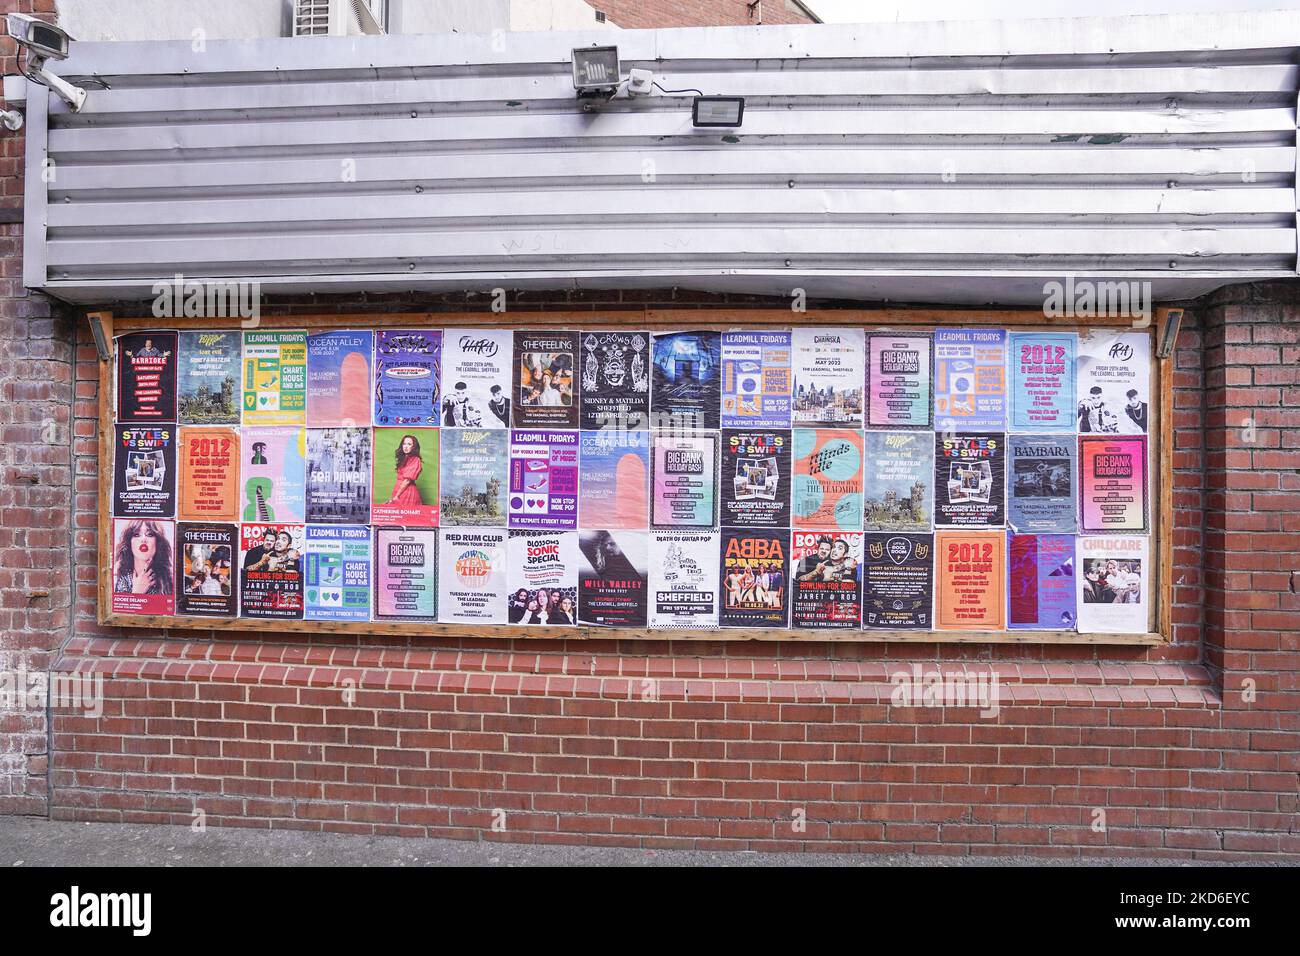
(35, 496)
(771, 745)
(646, 14)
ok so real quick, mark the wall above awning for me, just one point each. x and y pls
(927, 162)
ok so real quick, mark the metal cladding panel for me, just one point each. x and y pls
(940, 162)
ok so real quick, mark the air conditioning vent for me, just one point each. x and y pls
(311, 18)
(319, 18)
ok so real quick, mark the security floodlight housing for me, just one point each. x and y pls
(595, 69)
(718, 111)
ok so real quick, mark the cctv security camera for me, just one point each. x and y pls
(44, 41)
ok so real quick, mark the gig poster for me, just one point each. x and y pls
(898, 581)
(542, 576)
(755, 577)
(829, 375)
(686, 380)
(475, 464)
(757, 379)
(404, 484)
(684, 480)
(684, 579)
(273, 475)
(970, 480)
(970, 571)
(338, 475)
(472, 576)
(338, 378)
(207, 378)
(338, 573)
(546, 385)
(898, 485)
(612, 578)
(1114, 382)
(826, 579)
(275, 378)
(476, 365)
(755, 478)
(1113, 484)
(1042, 381)
(543, 490)
(614, 481)
(144, 569)
(615, 386)
(1040, 484)
(270, 576)
(827, 478)
(1114, 584)
(1041, 578)
(406, 574)
(970, 380)
(144, 471)
(208, 482)
(209, 569)
(898, 380)
(146, 377)
(408, 370)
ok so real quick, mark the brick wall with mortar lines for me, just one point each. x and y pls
(35, 497)
(718, 745)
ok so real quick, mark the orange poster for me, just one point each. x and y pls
(208, 481)
(970, 571)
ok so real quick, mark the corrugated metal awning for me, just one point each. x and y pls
(935, 162)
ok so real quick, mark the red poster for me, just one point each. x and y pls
(208, 486)
(970, 580)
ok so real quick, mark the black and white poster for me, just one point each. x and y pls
(612, 578)
(144, 471)
(684, 579)
(755, 478)
(476, 379)
(615, 380)
(970, 480)
(755, 577)
(898, 581)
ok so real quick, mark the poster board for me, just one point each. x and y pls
(918, 322)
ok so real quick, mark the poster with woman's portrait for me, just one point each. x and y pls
(144, 568)
(404, 490)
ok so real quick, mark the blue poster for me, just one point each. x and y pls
(685, 389)
(1041, 582)
(614, 480)
(757, 378)
(970, 380)
(1040, 484)
(338, 379)
(1042, 381)
(338, 573)
(408, 370)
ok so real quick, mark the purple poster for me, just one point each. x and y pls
(408, 368)
(1041, 582)
(970, 380)
(543, 479)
